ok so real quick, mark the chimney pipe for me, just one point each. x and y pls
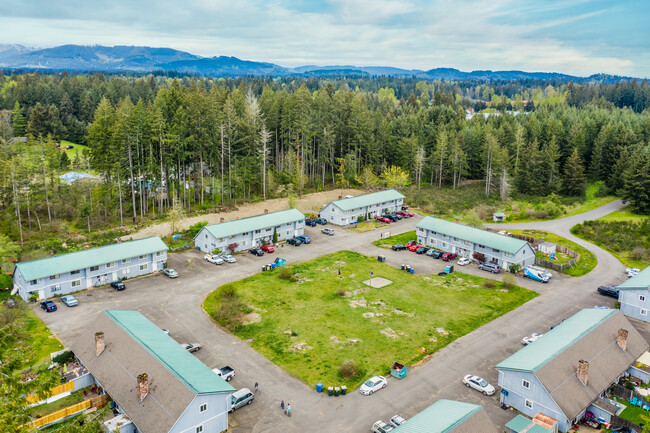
(621, 339)
(143, 386)
(583, 371)
(99, 343)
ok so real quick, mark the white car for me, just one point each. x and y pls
(328, 231)
(69, 300)
(478, 384)
(191, 347)
(228, 258)
(631, 272)
(527, 340)
(381, 427)
(397, 420)
(463, 261)
(213, 259)
(171, 273)
(166, 331)
(373, 384)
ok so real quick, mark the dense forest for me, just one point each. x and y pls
(157, 143)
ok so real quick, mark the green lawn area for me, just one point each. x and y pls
(633, 413)
(587, 260)
(42, 341)
(48, 408)
(365, 226)
(72, 153)
(309, 320)
(624, 214)
(397, 239)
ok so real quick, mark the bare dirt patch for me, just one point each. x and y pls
(388, 332)
(442, 331)
(354, 303)
(249, 318)
(377, 282)
(301, 347)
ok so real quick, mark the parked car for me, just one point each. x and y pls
(478, 384)
(631, 272)
(267, 248)
(228, 258)
(463, 261)
(437, 254)
(304, 239)
(399, 247)
(421, 250)
(171, 273)
(384, 220)
(321, 221)
(226, 373)
(328, 231)
(533, 337)
(191, 347)
(490, 267)
(310, 223)
(69, 300)
(392, 218)
(557, 324)
(535, 275)
(608, 291)
(396, 216)
(409, 243)
(397, 420)
(406, 213)
(256, 252)
(166, 331)
(414, 247)
(48, 306)
(448, 256)
(211, 258)
(118, 285)
(381, 427)
(241, 398)
(294, 241)
(373, 384)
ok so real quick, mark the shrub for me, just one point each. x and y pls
(64, 358)
(194, 229)
(639, 253)
(340, 292)
(229, 307)
(349, 369)
(286, 273)
(508, 281)
(489, 284)
(514, 268)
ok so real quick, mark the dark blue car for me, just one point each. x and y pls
(48, 306)
(310, 223)
(304, 239)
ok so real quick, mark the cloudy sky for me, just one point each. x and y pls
(579, 37)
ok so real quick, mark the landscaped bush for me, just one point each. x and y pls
(286, 273)
(64, 358)
(508, 281)
(229, 307)
(349, 369)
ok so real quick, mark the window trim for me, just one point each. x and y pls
(643, 312)
(110, 265)
(525, 383)
(127, 260)
(144, 267)
(526, 401)
(199, 429)
(94, 268)
(203, 407)
(641, 298)
(72, 283)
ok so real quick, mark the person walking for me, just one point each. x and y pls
(256, 388)
(282, 405)
(289, 409)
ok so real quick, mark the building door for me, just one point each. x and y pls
(453, 249)
(114, 276)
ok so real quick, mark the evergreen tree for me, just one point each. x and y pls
(38, 121)
(18, 121)
(574, 180)
(636, 181)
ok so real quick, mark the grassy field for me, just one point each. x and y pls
(624, 214)
(309, 320)
(633, 413)
(48, 408)
(366, 226)
(587, 260)
(397, 239)
(72, 153)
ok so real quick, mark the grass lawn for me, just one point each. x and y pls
(632, 413)
(42, 341)
(587, 260)
(48, 408)
(72, 153)
(308, 320)
(366, 226)
(397, 239)
(624, 214)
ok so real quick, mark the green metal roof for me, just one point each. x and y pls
(92, 257)
(185, 366)
(639, 281)
(536, 355)
(367, 199)
(478, 236)
(258, 222)
(441, 417)
(519, 423)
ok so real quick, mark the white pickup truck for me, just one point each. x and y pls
(226, 373)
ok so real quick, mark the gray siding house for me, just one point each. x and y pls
(566, 372)
(348, 210)
(449, 416)
(465, 241)
(157, 386)
(634, 296)
(249, 232)
(67, 273)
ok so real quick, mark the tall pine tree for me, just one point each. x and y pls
(19, 123)
(574, 179)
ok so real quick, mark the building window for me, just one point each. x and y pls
(110, 265)
(641, 298)
(126, 260)
(55, 288)
(495, 250)
(245, 233)
(126, 271)
(75, 283)
(33, 282)
(455, 239)
(508, 254)
(206, 235)
(75, 272)
(644, 312)
(199, 429)
(529, 404)
(54, 277)
(481, 246)
(159, 253)
(257, 231)
(144, 267)
(268, 229)
(445, 245)
(94, 268)
(203, 407)
(141, 257)
(525, 383)
(288, 233)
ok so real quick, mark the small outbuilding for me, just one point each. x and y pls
(547, 248)
(498, 217)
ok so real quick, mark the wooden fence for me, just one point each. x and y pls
(68, 386)
(617, 421)
(63, 413)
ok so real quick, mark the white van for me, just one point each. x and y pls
(241, 398)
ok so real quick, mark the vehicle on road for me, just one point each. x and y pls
(436, 254)
(304, 239)
(228, 258)
(631, 272)
(414, 247)
(267, 248)
(543, 271)
(226, 373)
(397, 420)
(381, 427)
(191, 347)
(328, 231)
(48, 306)
(166, 331)
(478, 384)
(490, 267)
(241, 398)
(294, 241)
(398, 247)
(171, 273)
(421, 250)
(608, 291)
(535, 275)
(384, 220)
(310, 223)
(211, 258)
(69, 300)
(256, 252)
(533, 337)
(448, 256)
(463, 261)
(601, 307)
(373, 384)
(118, 285)
(321, 221)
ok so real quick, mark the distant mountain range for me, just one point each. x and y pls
(148, 59)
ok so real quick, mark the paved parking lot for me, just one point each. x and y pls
(176, 305)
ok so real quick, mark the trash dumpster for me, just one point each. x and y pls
(337, 391)
(330, 390)
(319, 387)
(412, 270)
(344, 390)
(398, 370)
(449, 269)
(403, 267)
(263, 268)
(381, 258)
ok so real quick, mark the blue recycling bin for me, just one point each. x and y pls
(272, 265)
(319, 387)
(412, 270)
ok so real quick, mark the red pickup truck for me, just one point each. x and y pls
(448, 256)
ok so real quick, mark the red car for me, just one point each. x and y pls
(409, 243)
(414, 247)
(406, 213)
(384, 220)
(448, 256)
(267, 248)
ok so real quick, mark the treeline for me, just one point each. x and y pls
(157, 143)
